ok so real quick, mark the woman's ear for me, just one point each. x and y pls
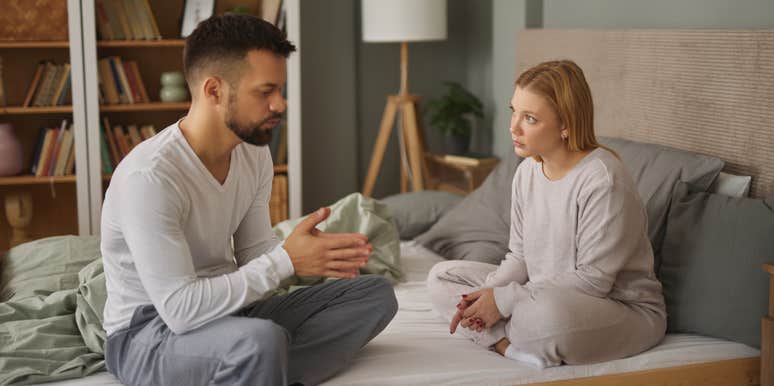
(564, 133)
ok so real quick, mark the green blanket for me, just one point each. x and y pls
(53, 294)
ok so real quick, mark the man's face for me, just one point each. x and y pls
(255, 104)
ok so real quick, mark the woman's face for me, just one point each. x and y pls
(535, 127)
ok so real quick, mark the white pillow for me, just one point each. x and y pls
(731, 185)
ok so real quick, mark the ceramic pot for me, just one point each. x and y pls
(456, 144)
(173, 87)
(10, 152)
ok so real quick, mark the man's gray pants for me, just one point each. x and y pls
(304, 337)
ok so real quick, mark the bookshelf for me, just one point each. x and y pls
(71, 204)
(35, 207)
(166, 54)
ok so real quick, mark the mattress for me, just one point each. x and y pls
(416, 348)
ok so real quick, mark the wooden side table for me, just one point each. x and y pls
(460, 175)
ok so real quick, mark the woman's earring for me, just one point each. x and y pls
(564, 137)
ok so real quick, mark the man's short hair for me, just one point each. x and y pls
(222, 42)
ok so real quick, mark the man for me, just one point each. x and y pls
(185, 306)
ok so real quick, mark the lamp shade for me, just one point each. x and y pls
(403, 20)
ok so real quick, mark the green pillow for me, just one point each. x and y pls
(712, 255)
(356, 213)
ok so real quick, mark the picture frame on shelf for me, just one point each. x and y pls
(195, 11)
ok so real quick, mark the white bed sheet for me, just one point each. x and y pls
(416, 348)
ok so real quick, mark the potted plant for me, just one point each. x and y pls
(452, 114)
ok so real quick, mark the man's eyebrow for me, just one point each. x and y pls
(267, 84)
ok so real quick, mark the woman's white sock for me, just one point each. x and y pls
(530, 359)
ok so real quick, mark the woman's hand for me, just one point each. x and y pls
(476, 311)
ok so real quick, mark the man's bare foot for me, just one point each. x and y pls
(501, 345)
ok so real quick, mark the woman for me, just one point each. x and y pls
(577, 285)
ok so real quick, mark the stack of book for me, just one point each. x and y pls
(117, 141)
(54, 155)
(50, 86)
(120, 82)
(126, 20)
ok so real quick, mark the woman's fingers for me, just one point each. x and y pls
(455, 321)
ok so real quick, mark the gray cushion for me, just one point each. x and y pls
(415, 212)
(656, 170)
(477, 228)
(711, 266)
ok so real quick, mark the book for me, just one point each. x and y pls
(149, 13)
(138, 79)
(103, 22)
(107, 80)
(70, 168)
(124, 93)
(49, 71)
(56, 149)
(34, 84)
(64, 153)
(36, 153)
(107, 166)
(112, 16)
(60, 86)
(134, 136)
(115, 154)
(65, 97)
(45, 152)
(134, 87)
(121, 140)
(270, 10)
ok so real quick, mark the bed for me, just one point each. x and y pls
(648, 85)
(416, 349)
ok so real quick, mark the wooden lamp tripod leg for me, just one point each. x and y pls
(414, 142)
(388, 120)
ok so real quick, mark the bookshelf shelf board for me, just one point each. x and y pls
(157, 106)
(16, 110)
(142, 43)
(32, 180)
(281, 168)
(33, 44)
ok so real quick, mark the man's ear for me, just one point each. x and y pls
(212, 89)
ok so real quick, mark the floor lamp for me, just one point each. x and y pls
(401, 21)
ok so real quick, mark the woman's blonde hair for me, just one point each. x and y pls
(563, 85)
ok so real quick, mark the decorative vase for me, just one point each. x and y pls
(173, 87)
(456, 144)
(10, 152)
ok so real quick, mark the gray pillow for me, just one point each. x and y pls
(415, 212)
(656, 170)
(711, 264)
(477, 228)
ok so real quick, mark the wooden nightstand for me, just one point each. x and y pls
(457, 174)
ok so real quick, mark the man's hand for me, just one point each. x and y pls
(478, 311)
(316, 253)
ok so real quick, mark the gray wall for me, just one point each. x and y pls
(509, 16)
(346, 81)
(658, 14)
(463, 57)
(328, 99)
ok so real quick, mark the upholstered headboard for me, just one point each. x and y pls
(707, 91)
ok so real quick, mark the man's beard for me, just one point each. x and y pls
(252, 133)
